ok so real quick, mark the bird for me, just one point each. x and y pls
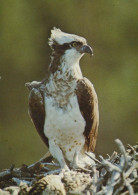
(64, 106)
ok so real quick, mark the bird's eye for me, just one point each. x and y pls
(74, 44)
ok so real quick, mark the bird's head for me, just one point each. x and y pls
(71, 46)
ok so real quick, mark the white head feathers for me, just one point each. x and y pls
(60, 37)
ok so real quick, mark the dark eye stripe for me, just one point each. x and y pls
(65, 46)
(61, 48)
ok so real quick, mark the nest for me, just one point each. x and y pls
(115, 175)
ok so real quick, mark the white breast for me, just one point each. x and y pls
(65, 126)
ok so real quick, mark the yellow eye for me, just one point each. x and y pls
(74, 44)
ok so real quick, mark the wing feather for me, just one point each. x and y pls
(88, 103)
(37, 110)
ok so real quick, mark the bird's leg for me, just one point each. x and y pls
(57, 154)
(75, 163)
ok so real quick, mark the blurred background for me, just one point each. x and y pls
(110, 28)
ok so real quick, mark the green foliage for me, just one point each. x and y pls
(110, 28)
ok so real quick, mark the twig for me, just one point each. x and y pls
(93, 158)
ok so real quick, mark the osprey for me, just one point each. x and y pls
(64, 107)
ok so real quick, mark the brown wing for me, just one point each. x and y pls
(88, 104)
(36, 109)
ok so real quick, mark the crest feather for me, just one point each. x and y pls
(54, 33)
(61, 37)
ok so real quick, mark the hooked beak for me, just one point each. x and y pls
(86, 49)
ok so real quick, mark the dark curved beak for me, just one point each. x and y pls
(86, 49)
